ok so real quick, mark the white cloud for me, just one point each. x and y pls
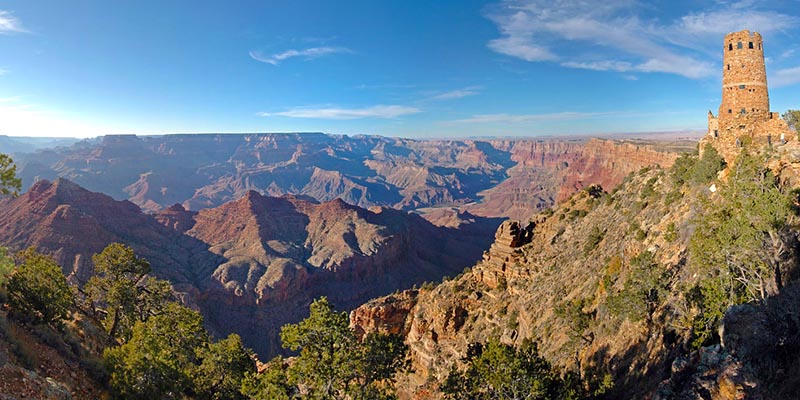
(536, 30)
(385, 86)
(379, 111)
(787, 53)
(732, 18)
(9, 23)
(517, 47)
(3, 71)
(308, 54)
(785, 77)
(619, 66)
(524, 118)
(456, 94)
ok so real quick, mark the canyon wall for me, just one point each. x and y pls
(497, 178)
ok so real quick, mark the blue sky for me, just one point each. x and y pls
(399, 68)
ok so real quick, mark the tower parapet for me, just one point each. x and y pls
(744, 115)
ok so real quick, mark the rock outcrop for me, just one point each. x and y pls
(254, 264)
(567, 279)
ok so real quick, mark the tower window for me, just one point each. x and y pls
(744, 111)
(739, 45)
(730, 46)
(741, 86)
(759, 46)
(750, 45)
(730, 111)
(729, 67)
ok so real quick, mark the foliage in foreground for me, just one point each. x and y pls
(169, 356)
(499, 371)
(6, 267)
(37, 289)
(792, 118)
(121, 293)
(332, 362)
(738, 245)
(9, 183)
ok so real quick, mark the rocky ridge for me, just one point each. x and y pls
(251, 265)
(557, 279)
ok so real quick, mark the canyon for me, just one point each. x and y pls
(491, 178)
(250, 228)
(253, 264)
(607, 284)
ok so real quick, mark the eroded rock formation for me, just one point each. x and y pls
(492, 178)
(254, 264)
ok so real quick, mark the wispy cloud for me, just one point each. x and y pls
(9, 23)
(365, 86)
(456, 94)
(534, 30)
(787, 53)
(379, 111)
(619, 66)
(785, 77)
(3, 71)
(525, 118)
(307, 54)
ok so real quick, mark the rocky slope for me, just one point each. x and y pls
(575, 279)
(42, 363)
(254, 264)
(503, 177)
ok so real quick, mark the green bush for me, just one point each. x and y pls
(637, 231)
(332, 362)
(649, 188)
(737, 244)
(645, 288)
(157, 361)
(222, 369)
(9, 183)
(689, 168)
(595, 237)
(499, 371)
(670, 235)
(573, 214)
(122, 293)
(672, 197)
(37, 290)
(577, 319)
(6, 265)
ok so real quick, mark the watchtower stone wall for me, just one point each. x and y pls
(744, 116)
(744, 78)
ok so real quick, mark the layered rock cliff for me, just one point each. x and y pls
(254, 264)
(504, 178)
(548, 172)
(606, 286)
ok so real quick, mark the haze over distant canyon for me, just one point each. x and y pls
(250, 228)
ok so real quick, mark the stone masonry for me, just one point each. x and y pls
(744, 116)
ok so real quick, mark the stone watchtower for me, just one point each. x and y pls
(744, 116)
